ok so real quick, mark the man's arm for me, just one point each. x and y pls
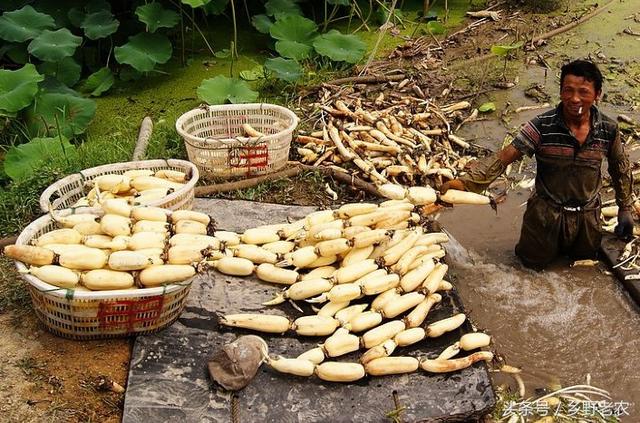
(620, 172)
(481, 173)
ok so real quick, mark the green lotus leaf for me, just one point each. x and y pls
(285, 69)
(253, 74)
(100, 24)
(73, 114)
(487, 107)
(435, 28)
(262, 23)
(215, 7)
(155, 16)
(196, 3)
(66, 71)
(339, 2)
(53, 46)
(98, 82)
(340, 47)
(18, 88)
(52, 85)
(17, 53)
(24, 160)
(503, 50)
(279, 8)
(76, 16)
(294, 28)
(59, 10)
(294, 50)
(222, 89)
(144, 51)
(24, 24)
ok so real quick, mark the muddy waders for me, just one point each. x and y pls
(549, 230)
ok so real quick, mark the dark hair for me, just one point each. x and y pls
(585, 69)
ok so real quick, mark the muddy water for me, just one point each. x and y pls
(564, 323)
(559, 325)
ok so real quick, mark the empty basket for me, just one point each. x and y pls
(217, 144)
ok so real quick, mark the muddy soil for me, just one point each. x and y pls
(47, 378)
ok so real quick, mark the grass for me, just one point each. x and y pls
(14, 295)
(19, 200)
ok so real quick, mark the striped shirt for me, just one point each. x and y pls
(568, 173)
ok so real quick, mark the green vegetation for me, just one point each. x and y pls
(83, 107)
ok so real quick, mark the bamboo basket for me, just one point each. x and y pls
(65, 192)
(216, 143)
(83, 315)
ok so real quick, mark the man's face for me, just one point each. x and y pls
(577, 95)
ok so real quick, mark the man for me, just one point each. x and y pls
(569, 142)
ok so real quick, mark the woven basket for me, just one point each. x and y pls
(100, 314)
(65, 192)
(217, 145)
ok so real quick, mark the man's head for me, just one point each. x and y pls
(580, 87)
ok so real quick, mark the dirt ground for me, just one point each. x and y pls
(46, 378)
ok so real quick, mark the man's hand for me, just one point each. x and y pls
(452, 184)
(624, 228)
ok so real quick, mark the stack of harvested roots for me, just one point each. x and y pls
(358, 257)
(124, 248)
(137, 186)
(411, 141)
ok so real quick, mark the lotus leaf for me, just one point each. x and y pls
(57, 9)
(294, 49)
(52, 85)
(18, 88)
(155, 16)
(339, 2)
(98, 82)
(100, 24)
(215, 7)
(76, 16)
(503, 50)
(222, 89)
(144, 51)
(73, 114)
(262, 23)
(16, 52)
(53, 46)
(24, 24)
(294, 28)
(22, 161)
(285, 69)
(295, 35)
(280, 8)
(487, 107)
(66, 71)
(195, 3)
(340, 47)
(253, 74)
